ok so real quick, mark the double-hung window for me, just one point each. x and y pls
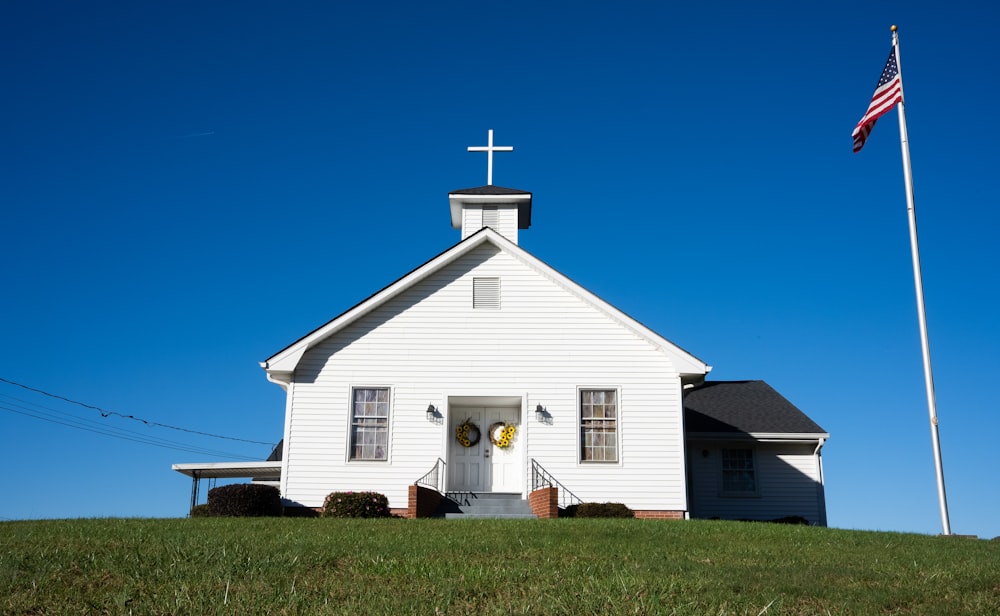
(370, 423)
(739, 476)
(598, 425)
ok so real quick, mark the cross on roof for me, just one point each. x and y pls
(489, 149)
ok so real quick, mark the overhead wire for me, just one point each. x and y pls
(45, 413)
(106, 413)
(126, 438)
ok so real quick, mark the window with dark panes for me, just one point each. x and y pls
(599, 425)
(370, 423)
(738, 473)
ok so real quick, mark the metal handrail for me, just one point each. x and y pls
(541, 478)
(434, 478)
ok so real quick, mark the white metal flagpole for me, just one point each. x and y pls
(918, 281)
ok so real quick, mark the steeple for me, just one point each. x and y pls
(505, 210)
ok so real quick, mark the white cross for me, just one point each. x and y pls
(489, 149)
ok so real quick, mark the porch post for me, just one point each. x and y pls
(194, 490)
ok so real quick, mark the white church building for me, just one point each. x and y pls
(484, 370)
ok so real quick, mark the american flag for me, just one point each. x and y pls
(888, 92)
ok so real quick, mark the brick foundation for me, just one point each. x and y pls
(545, 502)
(421, 503)
(659, 515)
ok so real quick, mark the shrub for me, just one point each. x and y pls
(200, 511)
(598, 510)
(245, 500)
(298, 511)
(356, 505)
(791, 519)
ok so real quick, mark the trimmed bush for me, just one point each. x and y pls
(245, 500)
(791, 519)
(200, 511)
(356, 505)
(598, 510)
(298, 511)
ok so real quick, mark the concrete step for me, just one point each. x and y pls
(475, 497)
(470, 505)
(490, 516)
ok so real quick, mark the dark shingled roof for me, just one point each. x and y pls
(276, 452)
(489, 190)
(743, 407)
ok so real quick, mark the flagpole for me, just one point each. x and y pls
(918, 282)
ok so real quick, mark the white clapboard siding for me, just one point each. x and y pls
(788, 479)
(428, 343)
(506, 219)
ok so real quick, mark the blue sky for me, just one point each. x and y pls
(189, 187)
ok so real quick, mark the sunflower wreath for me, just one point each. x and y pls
(467, 433)
(502, 434)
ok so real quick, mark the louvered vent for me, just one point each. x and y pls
(486, 293)
(491, 217)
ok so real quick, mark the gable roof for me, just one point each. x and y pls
(280, 366)
(745, 408)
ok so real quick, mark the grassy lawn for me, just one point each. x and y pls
(569, 566)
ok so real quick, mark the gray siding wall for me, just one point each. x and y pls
(788, 478)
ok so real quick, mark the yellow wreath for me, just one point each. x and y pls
(504, 437)
(467, 433)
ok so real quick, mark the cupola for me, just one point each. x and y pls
(505, 210)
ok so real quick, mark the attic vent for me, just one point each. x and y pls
(486, 293)
(491, 217)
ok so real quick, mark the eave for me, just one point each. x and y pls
(481, 196)
(231, 470)
(760, 437)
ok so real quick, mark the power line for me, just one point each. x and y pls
(126, 438)
(44, 413)
(106, 413)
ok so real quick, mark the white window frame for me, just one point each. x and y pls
(581, 430)
(352, 423)
(754, 470)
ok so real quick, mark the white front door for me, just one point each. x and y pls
(484, 467)
(465, 464)
(505, 462)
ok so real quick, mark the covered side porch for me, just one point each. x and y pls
(267, 472)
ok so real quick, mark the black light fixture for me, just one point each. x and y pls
(539, 413)
(431, 412)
